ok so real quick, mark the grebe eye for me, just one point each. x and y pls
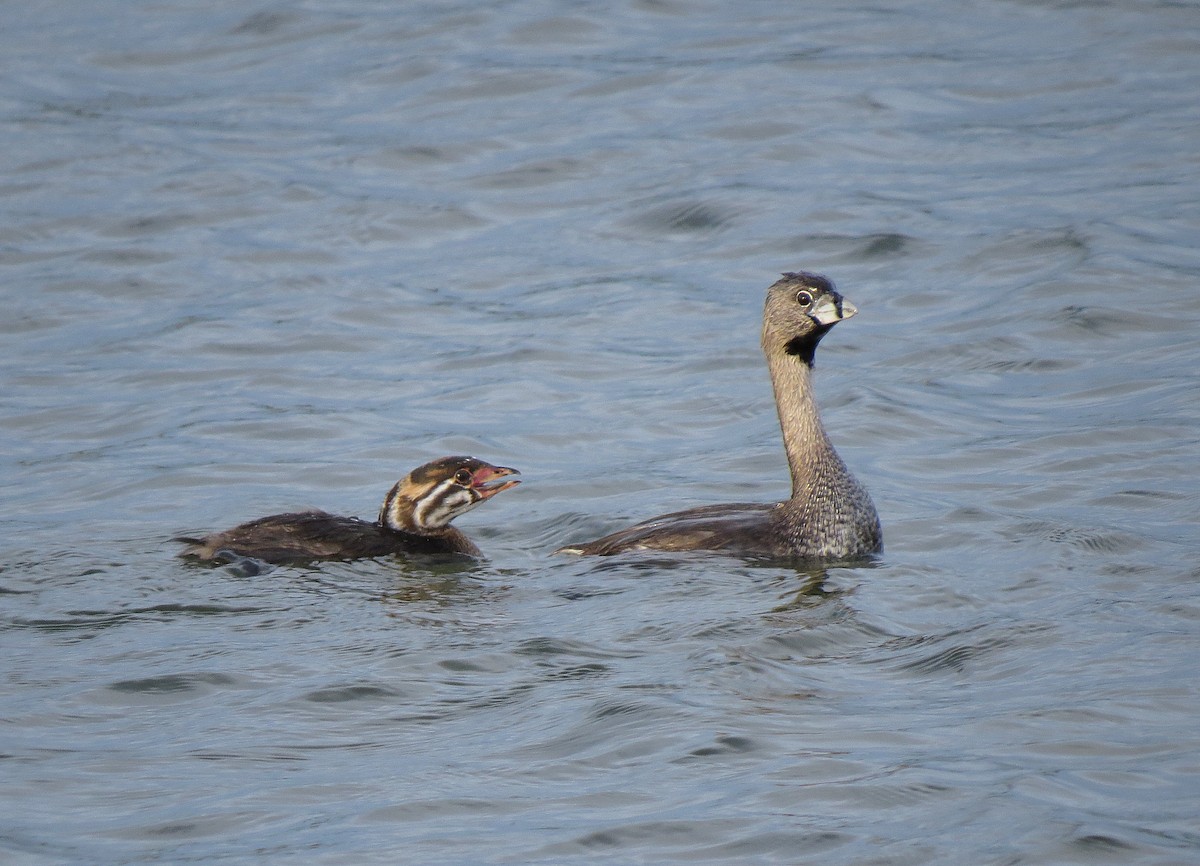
(463, 477)
(804, 298)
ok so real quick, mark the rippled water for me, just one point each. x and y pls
(259, 258)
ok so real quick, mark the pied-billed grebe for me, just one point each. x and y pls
(830, 515)
(415, 518)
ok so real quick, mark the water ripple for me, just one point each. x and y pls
(257, 259)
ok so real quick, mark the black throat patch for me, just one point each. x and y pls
(804, 346)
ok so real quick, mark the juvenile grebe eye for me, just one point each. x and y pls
(804, 298)
(463, 477)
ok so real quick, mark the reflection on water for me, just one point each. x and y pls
(257, 260)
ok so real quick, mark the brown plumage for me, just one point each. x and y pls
(414, 519)
(829, 515)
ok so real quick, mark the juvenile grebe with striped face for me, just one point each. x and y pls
(415, 518)
(425, 500)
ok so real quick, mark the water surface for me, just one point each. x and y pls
(256, 259)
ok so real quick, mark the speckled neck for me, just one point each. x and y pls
(809, 451)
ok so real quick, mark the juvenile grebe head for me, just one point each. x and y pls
(431, 496)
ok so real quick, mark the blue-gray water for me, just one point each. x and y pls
(255, 257)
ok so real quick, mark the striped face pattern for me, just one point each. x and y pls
(444, 502)
(431, 496)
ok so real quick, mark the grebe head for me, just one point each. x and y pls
(428, 498)
(800, 310)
